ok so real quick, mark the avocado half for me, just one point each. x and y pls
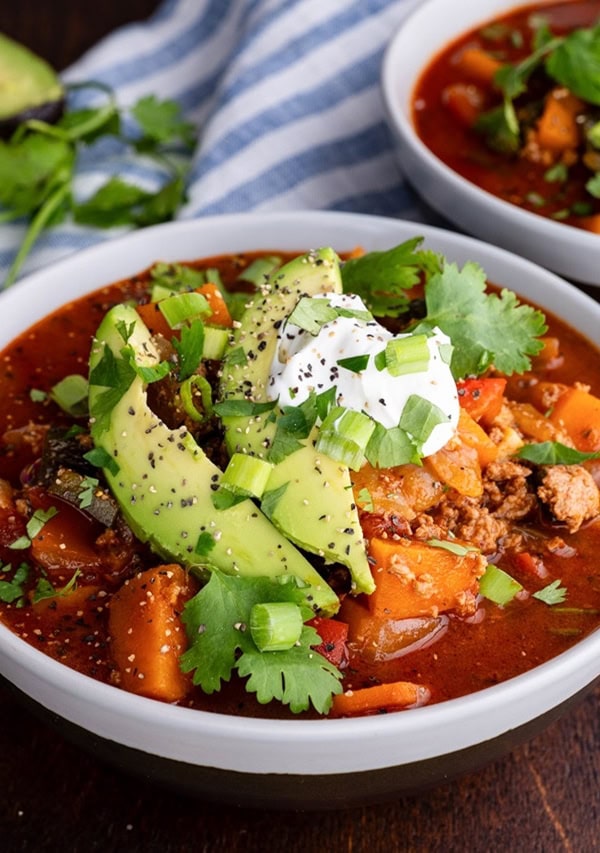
(29, 87)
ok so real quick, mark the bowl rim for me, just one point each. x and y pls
(399, 112)
(310, 746)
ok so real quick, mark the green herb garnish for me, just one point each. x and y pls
(38, 165)
(552, 594)
(485, 328)
(553, 453)
(218, 622)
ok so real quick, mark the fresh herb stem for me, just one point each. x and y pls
(37, 225)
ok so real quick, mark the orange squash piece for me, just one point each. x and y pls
(557, 128)
(478, 65)
(417, 579)
(147, 636)
(578, 412)
(380, 697)
(457, 465)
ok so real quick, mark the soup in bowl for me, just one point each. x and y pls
(273, 512)
(495, 125)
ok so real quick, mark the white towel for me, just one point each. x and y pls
(284, 93)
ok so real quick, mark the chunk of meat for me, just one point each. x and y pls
(506, 490)
(570, 493)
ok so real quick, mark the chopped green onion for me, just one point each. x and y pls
(276, 626)
(160, 292)
(71, 394)
(409, 354)
(246, 475)
(180, 308)
(498, 586)
(344, 435)
(186, 391)
(215, 343)
(258, 271)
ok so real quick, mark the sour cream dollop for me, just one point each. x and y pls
(305, 362)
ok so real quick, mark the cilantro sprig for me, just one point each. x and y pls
(217, 620)
(485, 328)
(381, 278)
(38, 165)
(572, 61)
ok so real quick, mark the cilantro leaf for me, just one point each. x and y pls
(390, 447)
(217, 620)
(553, 453)
(112, 205)
(116, 375)
(310, 314)
(38, 163)
(575, 63)
(380, 278)
(44, 588)
(13, 589)
(552, 594)
(189, 348)
(30, 170)
(161, 122)
(485, 328)
(296, 677)
(500, 127)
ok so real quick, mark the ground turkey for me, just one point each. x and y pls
(570, 493)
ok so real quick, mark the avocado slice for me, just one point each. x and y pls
(164, 482)
(314, 504)
(29, 87)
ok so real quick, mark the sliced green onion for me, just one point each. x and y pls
(213, 276)
(498, 586)
(247, 475)
(407, 355)
(180, 308)
(71, 394)
(215, 343)
(276, 626)
(257, 272)
(344, 435)
(186, 391)
(160, 292)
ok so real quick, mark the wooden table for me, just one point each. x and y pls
(545, 796)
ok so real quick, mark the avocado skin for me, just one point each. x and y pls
(31, 88)
(316, 509)
(165, 482)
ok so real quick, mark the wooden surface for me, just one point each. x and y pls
(545, 796)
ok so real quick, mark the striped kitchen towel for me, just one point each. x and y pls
(285, 97)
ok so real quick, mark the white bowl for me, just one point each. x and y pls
(560, 247)
(293, 763)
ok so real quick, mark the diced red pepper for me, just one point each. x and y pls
(530, 564)
(482, 398)
(334, 635)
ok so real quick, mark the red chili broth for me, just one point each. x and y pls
(513, 179)
(473, 654)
